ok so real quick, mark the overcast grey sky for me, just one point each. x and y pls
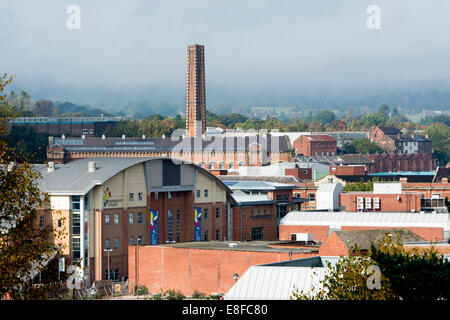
(248, 43)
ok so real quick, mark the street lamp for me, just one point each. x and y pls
(109, 271)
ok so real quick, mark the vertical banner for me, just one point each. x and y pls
(198, 223)
(153, 226)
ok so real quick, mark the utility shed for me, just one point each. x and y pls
(327, 196)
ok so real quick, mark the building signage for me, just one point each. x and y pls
(198, 223)
(153, 226)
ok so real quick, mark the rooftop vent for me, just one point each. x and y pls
(123, 136)
(51, 166)
(232, 245)
(83, 137)
(91, 166)
(63, 136)
(143, 137)
(103, 137)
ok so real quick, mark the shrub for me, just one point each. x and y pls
(140, 290)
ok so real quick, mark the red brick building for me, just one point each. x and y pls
(258, 207)
(315, 145)
(348, 170)
(111, 203)
(207, 267)
(370, 201)
(431, 227)
(393, 141)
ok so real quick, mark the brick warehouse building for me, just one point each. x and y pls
(315, 145)
(70, 126)
(207, 267)
(431, 227)
(108, 203)
(209, 152)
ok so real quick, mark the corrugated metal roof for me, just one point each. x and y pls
(256, 185)
(73, 178)
(275, 283)
(376, 219)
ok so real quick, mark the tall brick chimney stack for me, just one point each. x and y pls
(195, 91)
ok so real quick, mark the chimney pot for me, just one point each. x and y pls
(91, 167)
(51, 166)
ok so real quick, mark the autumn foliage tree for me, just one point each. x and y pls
(25, 248)
(404, 274)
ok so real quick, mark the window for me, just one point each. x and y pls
(131, 196)
(178, 194)
(205, 213)
(252, 212)
(286, 197)
(217, 234)
(279, 197)
(116, 243)
(170, 226)
(202, 165)
(217, 212)
(206, 193)
(107, 244)
(91, 131)
(59, 223)
(231, 165)
(257, 233)
(205, 236)
(169, 195)
(116, 218)
(222, 165)
(76, 252)
(241, 164)
(85, 131)
(131, 218)
(305, 172)
(131, 240)
(312, 197)
(265, 211)
(156, 195)
(140, 196)
(198, 193)
(41, 221)
(76, 203)
(211, 165)
(178, 225)
(106, 218)
(139, 241)
(139, 217)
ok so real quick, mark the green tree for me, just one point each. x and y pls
(439, 134)
(384, 110)
(325, 117)
(404, 274)
(24, 246)
(364, 145)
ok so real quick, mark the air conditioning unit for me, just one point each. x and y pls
(360, 203)
(368, 203)
(305, 237)
(376, 203)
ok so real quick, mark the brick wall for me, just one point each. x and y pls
(388, 202)
(333, 246)
(187, 269)
(320, 232)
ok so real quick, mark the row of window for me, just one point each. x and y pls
(283, 197)
(130, 218)
(116, 242)
(221, 165)
(131, 196)
(206, 237)
(205, 213)
(170, 195)
(323, 153)
(205, 193)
